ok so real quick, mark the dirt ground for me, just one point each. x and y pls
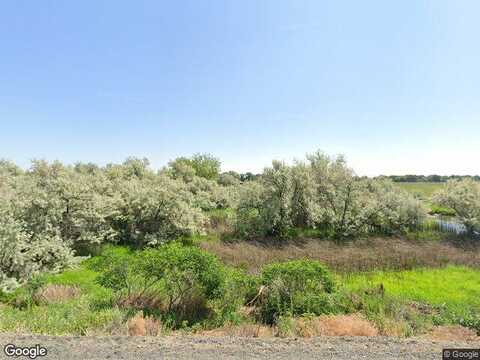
(196, 347)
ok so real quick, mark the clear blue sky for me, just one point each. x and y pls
(394, 85)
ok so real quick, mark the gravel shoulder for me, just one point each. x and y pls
(196, 347)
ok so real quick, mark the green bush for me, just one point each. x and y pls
(238, 289)
(117, 268)
(189, 278)
(295, 288)
(185, 278)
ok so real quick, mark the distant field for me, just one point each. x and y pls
(424, 189)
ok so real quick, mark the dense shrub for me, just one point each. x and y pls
(390, 210)
(155, 211)
(303, 210)
(24, 254)
(277, 201)
(185, 272)
(326, 195)
(76, 205)
(185, 278)
(230, 178)
(295, 288)
(52, 212)
(118, 269)
(249, 221)
(463, 196)
(238, 289)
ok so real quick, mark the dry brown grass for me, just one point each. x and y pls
(393, 327)
(140, 302)
(243, 330)
(361, 255)
(334, 325)
(56, 293)
(143, 326)
(453, 333)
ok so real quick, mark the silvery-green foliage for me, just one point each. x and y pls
(202, 190)
(226, 197)
(230, 178)
(391, 209)
(23, 254)
(463, 196)
(303, 205)
(156, 211)
(249, 221)
(351, 206)
(13, 239)
(277, 209)
(338, 195)
(131, 168)
(209, 195)
(8, 168)
(181, 169)
(76, 205)
(323, 193)
(265, 206)
(52, 210)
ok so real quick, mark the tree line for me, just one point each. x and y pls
(428, 178)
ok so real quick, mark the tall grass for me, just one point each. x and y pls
(75, 317)
(361, 255)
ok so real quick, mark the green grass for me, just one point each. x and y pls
(78, 316)
(73, 317)
(454, 287)
(423, 189)
(82, 277)
(441, 210)
(447, 296)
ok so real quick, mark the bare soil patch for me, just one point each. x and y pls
(453, 333)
